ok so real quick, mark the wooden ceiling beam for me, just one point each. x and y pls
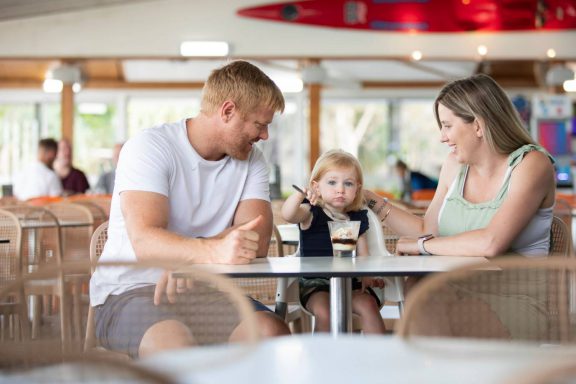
(102, 84)
(119, 84)
(401, 84)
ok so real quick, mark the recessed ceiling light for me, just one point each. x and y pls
(482, 50)
(52, 86)
(551, 53)
(416, 55)
(570, 85)
(204, 48)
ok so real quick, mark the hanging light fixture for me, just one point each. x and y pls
(56, 77)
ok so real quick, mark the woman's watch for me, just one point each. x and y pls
(421, 241)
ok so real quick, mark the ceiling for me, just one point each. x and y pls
(124, 44)
(178, 73)
(20, 9)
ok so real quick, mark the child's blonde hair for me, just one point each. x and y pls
(337, 158)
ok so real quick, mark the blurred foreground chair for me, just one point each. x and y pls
(87, 368)
(264, 289)
(13, 309)
(550, 373)
(212, 307)
(508, 298)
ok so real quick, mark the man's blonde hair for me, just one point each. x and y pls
(244, 84)
(337, 158)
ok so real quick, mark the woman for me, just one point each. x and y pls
(496, 188)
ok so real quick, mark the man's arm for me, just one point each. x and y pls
(248, 210)
(146, 216)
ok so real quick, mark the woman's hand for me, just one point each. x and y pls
(407, 246)
(371, 196)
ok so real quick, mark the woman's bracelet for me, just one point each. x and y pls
(386, 214)
(382, 206)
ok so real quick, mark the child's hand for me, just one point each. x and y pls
(308, 194)
(372, 283)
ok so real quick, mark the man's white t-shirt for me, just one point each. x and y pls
(37, 180)
(203, 196)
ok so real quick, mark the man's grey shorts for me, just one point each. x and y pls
(123, 319)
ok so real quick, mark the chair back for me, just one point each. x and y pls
(40, 239)
(560, 238)
(41, 201)
(423, 194)
(512, 298)
(264, 289)
(13, 309)
(76, 225)
(99, 238)
(10, 245)
(394, 289)
(99, 215)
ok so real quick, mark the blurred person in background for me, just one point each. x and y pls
(412, 180)
(39, 179)
(73, 180)
(105, 182)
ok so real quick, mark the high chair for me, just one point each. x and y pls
(287, 288)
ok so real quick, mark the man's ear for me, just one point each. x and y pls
(227, 110)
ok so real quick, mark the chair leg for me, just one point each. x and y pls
(77, 309)
(35, 315)
(65, 314)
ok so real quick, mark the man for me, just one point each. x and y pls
(202, 179)
(412, 180)
(73, 180)
(105, 182)
(38, 179)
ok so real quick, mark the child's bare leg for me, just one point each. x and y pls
(319, 305)
(364, 305)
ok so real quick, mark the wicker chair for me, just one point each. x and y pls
(13, 310)
(40, 246)
(215, 305)
(508, 298)
(76, 224)
(99, 215)
(551, 373)
(264, 289)
(99, 238)
(560, 238)
(39, 364)
(47, 360)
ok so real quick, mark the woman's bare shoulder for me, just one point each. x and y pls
(449, 170)
(537, 163)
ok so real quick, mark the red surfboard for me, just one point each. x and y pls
(423, 15)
